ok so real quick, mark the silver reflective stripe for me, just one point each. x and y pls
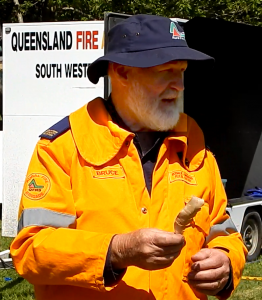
(225, 228)
(44, 217)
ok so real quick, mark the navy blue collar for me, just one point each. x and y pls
(145, 142)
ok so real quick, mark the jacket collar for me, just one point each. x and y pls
(188, 134)
(99, 139)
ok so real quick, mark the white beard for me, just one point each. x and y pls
(153, 114)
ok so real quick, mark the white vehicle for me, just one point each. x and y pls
(246, 214)
(44, 79)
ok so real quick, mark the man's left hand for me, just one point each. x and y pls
(210, 271)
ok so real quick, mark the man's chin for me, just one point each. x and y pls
(164, 123)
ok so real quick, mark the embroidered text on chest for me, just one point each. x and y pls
(181, 175)
(108, 172)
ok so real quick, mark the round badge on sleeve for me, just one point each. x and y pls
(36, 186)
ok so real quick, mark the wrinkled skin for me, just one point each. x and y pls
(148, 248)
(210, 271)
(148, 98)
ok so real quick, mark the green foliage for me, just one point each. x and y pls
(6, 10)
(242, 11)
(249, 289)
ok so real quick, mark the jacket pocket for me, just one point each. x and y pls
(195, 236)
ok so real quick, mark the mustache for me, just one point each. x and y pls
(171, 95)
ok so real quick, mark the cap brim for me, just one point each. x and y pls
(143, 59)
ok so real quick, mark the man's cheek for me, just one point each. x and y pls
(153, 90)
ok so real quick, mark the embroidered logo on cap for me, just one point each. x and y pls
(36, 186)
(177, 35)
(109, 172)
(181, 175)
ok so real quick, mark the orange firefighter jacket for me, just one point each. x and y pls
(87, 185)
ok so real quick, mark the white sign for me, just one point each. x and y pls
(44, 79)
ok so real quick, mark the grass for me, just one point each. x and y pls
(247, 289)
(20, 289)
(17, 288)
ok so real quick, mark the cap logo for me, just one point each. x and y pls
(177, 35)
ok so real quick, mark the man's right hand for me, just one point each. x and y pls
(147, 248)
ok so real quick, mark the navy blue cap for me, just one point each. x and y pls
(144, 41)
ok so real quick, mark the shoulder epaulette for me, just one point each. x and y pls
(57, 129)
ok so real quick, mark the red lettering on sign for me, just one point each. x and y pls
(78, 38)
(95, 39)
(87, 40)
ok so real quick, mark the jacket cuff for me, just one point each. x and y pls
(237, 260)
(99, 278)
(229, 287)
(111, 276)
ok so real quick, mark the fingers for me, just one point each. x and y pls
(201, 255)
(168, 239)
(147, 248)
(208, 282)
(167, 258)
(210, 271)
(209, 275)
(159, 262)
(206, 264)
(158, 248)
(209, 287)
(207, 259)
(171, 248)
(164, 244)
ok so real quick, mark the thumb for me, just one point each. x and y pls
(201, 255)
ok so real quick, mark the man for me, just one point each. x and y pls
(105, 185)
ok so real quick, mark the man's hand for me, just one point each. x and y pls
(148, 248)
(210, 271)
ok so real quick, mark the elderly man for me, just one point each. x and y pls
(105, 185)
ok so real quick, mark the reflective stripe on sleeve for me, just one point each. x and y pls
(222, 229)
(44, 217)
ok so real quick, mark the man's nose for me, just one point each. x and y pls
(178, 82)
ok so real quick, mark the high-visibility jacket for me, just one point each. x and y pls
(87, 184)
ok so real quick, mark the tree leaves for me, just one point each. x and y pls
(242, 11)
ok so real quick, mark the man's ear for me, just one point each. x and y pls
(121, 72)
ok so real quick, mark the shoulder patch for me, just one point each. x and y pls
(57, 129)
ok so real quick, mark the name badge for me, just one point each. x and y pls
(181, 175)
(109, 172)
